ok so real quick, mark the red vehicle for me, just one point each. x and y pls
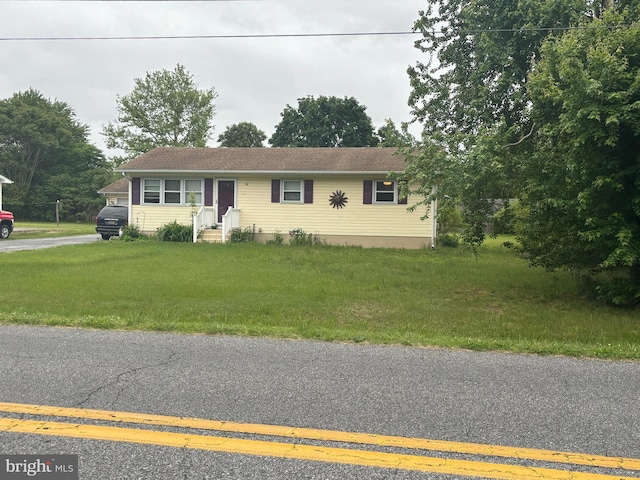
(6, 223)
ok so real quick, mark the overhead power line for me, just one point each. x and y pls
(295, 35)
(199, 37)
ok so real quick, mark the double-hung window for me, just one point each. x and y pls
(292, 191)
(151, 190)
(172, 191)
(382, 192)
(193, 188)
(385, 191)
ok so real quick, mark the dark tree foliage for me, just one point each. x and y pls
(243, 134)
(390, 136)
(479, 55)
(324, 122)
(582, 197)
(471, 95)
(45, 151)
(519, 100)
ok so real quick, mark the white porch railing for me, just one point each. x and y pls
(230, 220)
(198, 223)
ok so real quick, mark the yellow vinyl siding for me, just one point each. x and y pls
(117, 199)
(254, 202)
(151, 217)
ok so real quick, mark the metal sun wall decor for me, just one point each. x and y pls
(338, 199)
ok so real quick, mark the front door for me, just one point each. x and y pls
(226, 196)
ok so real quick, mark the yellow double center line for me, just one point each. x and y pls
(312, 452)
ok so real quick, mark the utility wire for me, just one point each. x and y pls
(301, 35)
(191, 37)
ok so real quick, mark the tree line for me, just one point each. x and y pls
(45, 149)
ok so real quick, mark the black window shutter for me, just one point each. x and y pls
(135, 191)
(367, 192)
(208, 192)
(308, 191)
(402, 201)
(275, 191)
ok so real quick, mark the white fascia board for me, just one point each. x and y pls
(5, 180)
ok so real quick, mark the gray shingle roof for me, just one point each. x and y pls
(267, 160)
(119, 186)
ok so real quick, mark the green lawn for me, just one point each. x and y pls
(50, 229)
(445, 297)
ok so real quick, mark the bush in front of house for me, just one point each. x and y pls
(278, 239)
(299, 237)
(242, 236)
(131, 233)
(175, 232)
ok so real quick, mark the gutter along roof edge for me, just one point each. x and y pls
(257, 172)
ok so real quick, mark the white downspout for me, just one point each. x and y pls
(434, 222)
(434, 215)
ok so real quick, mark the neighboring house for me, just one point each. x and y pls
(3, 180)
(116, 193)
(342, 195)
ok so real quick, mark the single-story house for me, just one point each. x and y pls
(345, 196)
(3, 180)
(116, 193)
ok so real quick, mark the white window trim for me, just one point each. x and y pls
(282, 190)
(184, 194)
(144, 191)
(375, 193)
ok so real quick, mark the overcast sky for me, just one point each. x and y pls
(255, 78)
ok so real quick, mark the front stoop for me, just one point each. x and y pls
(211, 236)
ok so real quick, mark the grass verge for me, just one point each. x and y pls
(26, 230)
(446, 297)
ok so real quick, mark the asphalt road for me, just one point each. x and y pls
(12, 245)
(582, 406)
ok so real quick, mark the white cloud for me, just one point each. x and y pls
(255, 77)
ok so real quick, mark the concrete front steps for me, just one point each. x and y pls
(209, 235)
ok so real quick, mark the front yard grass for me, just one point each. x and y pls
(25, 230)
(445, 297)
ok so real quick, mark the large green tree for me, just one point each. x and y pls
(165, 108)
(582, 195)
(470, 94)
(243, 134)
(389, 135)
(324, 122)
(471, 91)
(40, 139)
(479, 53)
(491, 103)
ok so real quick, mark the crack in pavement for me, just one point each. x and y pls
(115, 382)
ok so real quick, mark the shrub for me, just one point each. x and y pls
(175, 232)
(240, 236)
(278, 239)
(299, 237)
(131, 233)
(449, 240)
(613, 287)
